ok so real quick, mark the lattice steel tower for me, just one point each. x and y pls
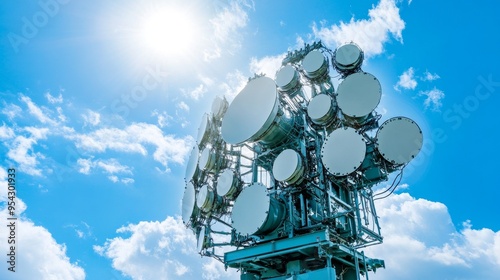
(279, 184)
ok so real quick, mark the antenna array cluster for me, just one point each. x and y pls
(280, 182)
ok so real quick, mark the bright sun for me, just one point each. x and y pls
(168, 32)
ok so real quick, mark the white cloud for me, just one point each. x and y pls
(428, 76)
(127, 181)
(299, 42)
(85, 165)
(21, 151)
(60, 115)
(139, 138)
(11, 111)
(82, 230)
(407, 80)
(185, 123)
(164, 119)
(419, 233)
(234, 83)
(268, 65)
(134, 139)
(42, 188)
(37, 111)
(52, 99)
(196, 93)
(91, 118)
(183, 106)
(6, 132)
(206, 80)
(226, 26)
(433, 99)
(370, 34)
(108, 166)
(112, 166)
(213, 270)
(38, 255)
(199, 91)
(160, 250)
(113, 178)
(37, 133)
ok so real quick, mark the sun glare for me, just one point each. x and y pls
(168, 32)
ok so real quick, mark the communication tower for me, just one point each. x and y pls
(279, 184)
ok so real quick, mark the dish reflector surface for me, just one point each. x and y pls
(314, 64)
(359, 94)
(287, 166)
(286, 78)
(219, 107)
(343, 151)
(399, 140)
(201, 240)
(207, 159)
(188, 201)
(348, 56)
(203, 130)
(192, 164)
(320, 109)
(251, 112)
(254, 211)
(205, 198)
(226, 184)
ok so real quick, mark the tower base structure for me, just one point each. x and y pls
(309, 256)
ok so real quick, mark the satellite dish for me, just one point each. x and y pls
(206, 199)
(256, 212)
(256, 115)
(315, 64)
(321, 110)
(399, 140)
(189, 210)
(358, 95)
(227, 183)
(347, 58)
(192, 165)
(219, 107)
(288, 167)
(203, 131)
(320, 157)
(208, 159)
(202, 239)
(287, 80)
(343, 151)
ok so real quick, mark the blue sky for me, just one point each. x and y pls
(99, 109)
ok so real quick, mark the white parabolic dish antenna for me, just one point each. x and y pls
(288, 166)
(219, 107)
(255, 212)
(399, 140)
(314, 64)
(205, 198)
(203, 130)
(343, 151)
(188, 203)
(320, 109)
(359, 94)
(207, 159)
(226, 183)
(287, 78)
(251, 112)
(192, 164)
(348, 57)
(201, 239)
